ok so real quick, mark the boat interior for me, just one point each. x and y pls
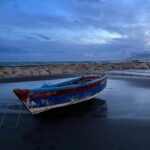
(79, 80)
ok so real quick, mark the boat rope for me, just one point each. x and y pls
(4, 122)
(4, 116)
(18, 119)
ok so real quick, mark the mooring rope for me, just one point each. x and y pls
(18, 119)
(4, 116)
(5, 120)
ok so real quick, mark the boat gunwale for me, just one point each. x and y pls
(54, 88)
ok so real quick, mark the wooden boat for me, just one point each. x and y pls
(46, 97)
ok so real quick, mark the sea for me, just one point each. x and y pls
(17, 64)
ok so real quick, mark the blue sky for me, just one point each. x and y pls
(73, 30)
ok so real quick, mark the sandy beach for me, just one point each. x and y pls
(119, 119)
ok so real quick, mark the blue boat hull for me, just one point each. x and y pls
(43, 101)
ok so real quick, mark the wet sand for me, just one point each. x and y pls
(119, 119)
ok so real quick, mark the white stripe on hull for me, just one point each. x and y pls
(35, 111)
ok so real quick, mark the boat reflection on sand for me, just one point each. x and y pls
(95, 108)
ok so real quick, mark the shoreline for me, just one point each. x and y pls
(63, 76)
(7, 72)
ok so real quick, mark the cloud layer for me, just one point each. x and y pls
(55, 30)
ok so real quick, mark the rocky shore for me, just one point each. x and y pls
(41, 70)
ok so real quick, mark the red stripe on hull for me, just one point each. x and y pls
(67, 91)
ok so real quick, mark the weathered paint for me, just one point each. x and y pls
(37, 102)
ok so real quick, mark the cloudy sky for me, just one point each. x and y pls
(73, 30)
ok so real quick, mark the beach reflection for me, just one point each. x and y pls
(93, 108)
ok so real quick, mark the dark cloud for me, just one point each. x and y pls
(43, 36)
(129, 19)
(53, 51)
(110, 15)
